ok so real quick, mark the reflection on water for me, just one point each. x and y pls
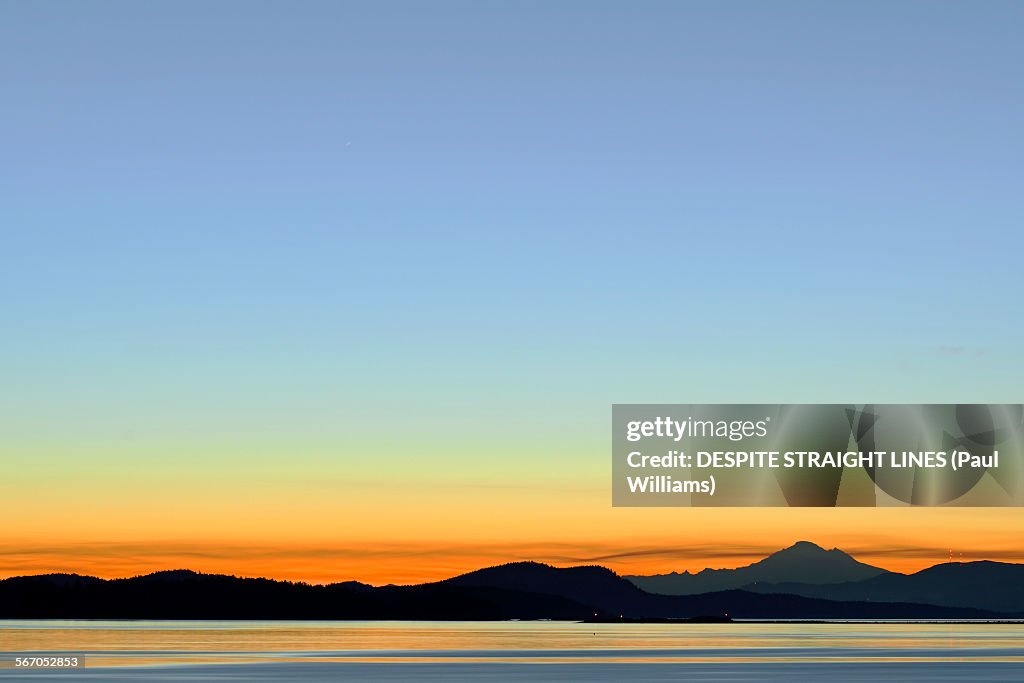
(137, 643)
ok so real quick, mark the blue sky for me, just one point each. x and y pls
(303, 218)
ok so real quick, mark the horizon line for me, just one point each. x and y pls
(424, 583)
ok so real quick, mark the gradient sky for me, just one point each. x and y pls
(336, 290)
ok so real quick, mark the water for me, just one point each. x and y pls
(515, 651)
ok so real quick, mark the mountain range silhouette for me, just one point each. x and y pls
(800, 582)
(801, 563)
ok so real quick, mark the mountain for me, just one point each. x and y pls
(598, 587)
(612, 594)
(530, 590)
(803, 562)
(190, 595)
(986, 585)
(525, 590)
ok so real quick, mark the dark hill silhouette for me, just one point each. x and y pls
(613, 594)
(174, 575)
(517, 591)
(189, 595)
(986, 585)
(596, 586)
(530, 590)
(803, 562)
(67, 579)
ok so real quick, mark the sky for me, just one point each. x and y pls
(330, 291)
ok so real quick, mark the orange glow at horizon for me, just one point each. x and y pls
(904, 540)
(415, 565)
(287, 519)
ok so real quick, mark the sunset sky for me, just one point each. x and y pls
(331, 291)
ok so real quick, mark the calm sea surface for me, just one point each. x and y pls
(439, 651)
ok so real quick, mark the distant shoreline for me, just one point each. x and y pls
(770, 592)
(590, 621)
